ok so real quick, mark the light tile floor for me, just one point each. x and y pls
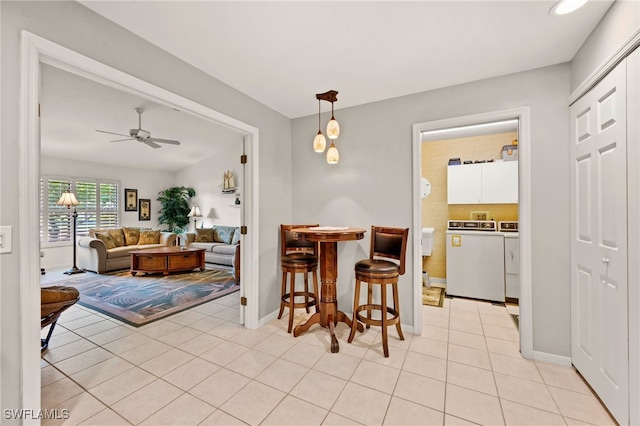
(201, 367)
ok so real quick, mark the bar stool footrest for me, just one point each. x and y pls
(378, 308)
(311, 296)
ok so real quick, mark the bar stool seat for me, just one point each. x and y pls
(297, 257)
(389, 243)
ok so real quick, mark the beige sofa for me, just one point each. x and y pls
(106, 250)
(221, 244)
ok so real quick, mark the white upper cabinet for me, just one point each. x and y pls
(483, 183)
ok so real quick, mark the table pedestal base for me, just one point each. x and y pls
(331, 323)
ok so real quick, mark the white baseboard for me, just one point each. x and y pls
(563, 361)
(266, 319)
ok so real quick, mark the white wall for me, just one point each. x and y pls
(372, 183)
(72, 25)
(205, 177)
(147, 182)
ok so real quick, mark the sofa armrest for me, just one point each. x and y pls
(189, 237)
(168, 238)
(93, 243)
(92, 254)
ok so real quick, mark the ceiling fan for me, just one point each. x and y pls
(141, 135)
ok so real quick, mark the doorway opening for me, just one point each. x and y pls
(444, 129)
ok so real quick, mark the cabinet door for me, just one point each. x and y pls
(464, 184)
(511, 255)
(500, 183)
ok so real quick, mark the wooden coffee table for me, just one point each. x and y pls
(167, 260)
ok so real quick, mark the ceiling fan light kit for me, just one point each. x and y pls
(141, 135)
(333, 129)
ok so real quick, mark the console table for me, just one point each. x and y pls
(167, 260)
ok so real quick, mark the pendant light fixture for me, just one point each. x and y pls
(319, 142)
(333, 129)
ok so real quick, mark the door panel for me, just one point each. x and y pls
(599, 241)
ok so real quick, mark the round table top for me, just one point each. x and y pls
(328, 233)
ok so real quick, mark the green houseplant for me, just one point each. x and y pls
(175, 207)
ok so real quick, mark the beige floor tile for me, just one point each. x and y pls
(334, 419)
(500, 321)
(282, 375)
(293, 412)
(469, 377)
(562, 377)
(60, 337)
(469, 356)
(95, 328)
(435, 333)
(166, 362)
(338, 364)
(518, 367)
(470, 340)
(304, 354)
(179, 336)
(319, 388)
(185, 410)
(126, 343)
(200, 344)
(450, 420)
(375, 376)
(580, 406)
(491, 309)
(122, 385)
(106, 417)
(145, 352)
(436, 321)
(219, 387)
(220, 418)
(421, 390)
(226, 330)
(81, 407)
(224, 353)
(426, 365)
(59, 391)
(251, 363)
(505, 333)
(159, 328)
(250, 338)
(427, 346)
(101, 372)
(394, 360)
(206, 324)
(50, 374)
(56, 354)
(191, 373)
(110, 335)
(275, 345)
(187, 317)
(83, 360)
(261, 398)
(362, 404)
(473, 406)
(146, 401)
(518, 414)
(466, 315)
(80, 322)
(463, 304)
(474, 327)
(402, 412)
(525, 392)
(504, 347)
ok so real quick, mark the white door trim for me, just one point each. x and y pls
(34, 51)
(524, 214)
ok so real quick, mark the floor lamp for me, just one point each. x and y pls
(68, 199)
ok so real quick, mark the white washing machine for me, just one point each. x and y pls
(475, 260)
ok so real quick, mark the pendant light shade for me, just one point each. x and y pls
(333, 129)
(319, 142)
(332, 154)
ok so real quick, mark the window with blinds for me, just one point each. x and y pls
(98, 207)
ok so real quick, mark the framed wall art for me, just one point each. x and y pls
(130, 200)
(144, 209)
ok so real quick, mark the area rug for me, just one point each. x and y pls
(139, 300)
(433, 296)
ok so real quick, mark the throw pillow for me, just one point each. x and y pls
(204, 235)
(236, 236)
(118, 236)
(131, 236)
(149, 237)
(223, 234)
(107, 239)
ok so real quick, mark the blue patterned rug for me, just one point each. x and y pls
(143, 299)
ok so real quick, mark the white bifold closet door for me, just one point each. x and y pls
(599, 293)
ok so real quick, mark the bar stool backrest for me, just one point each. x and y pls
(290, 245)
(389, 243)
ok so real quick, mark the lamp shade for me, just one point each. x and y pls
(332, 154)
(319, 142)
(68, 199)
(195, 212)
(333, 129)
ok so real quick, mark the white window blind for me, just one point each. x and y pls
(98, 207)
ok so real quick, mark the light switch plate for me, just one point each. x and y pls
(5, 239)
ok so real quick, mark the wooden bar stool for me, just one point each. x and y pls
(386, 243)
(297, 257)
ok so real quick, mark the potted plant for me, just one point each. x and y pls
(175, 207)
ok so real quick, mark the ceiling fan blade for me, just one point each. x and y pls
(111, 133)
(169, 141)
(151, 143)
(122, 140)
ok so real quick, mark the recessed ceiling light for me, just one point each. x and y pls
(566, 6)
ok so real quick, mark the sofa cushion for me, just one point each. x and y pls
(236, 236)
(131, 235)
(118, 236)
(219, 259)
(223, 234)
(107, 239)
(204, 235)
(207, 246)
(149, 237)
(226, 249)
(118, 252)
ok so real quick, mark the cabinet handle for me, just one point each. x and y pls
(511, 255)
